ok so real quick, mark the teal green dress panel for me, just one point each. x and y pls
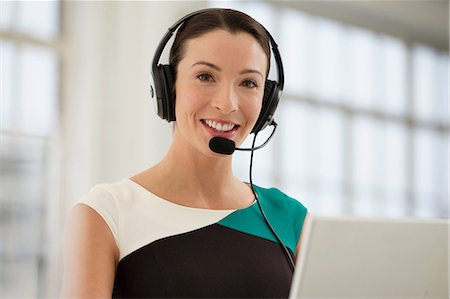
(285, 214)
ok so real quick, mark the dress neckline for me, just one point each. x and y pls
(170, 203)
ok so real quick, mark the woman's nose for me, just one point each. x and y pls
(226, 100)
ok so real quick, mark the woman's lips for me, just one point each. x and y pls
(220, 128)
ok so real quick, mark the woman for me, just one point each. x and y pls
(187, 227)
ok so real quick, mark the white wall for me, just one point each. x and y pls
(109, 128)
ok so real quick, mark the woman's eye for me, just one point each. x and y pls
(205, 77)
(249, 84)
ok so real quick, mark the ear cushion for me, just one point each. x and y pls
(269, 105)
(163, 79)
(168, 83)
(157, 86)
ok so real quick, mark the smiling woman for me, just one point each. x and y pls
(187, 227)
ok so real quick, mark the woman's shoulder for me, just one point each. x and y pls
(275, 196)
(110, 194)
(104, 199)
(286, 213)
(108, 189)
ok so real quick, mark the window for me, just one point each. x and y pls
(29, 102)
(363, 121)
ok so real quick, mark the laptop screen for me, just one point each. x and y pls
(373, 258)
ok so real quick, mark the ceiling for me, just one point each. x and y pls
(424, 21)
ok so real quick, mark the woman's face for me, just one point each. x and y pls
(219, 87)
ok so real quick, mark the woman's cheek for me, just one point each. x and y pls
(190, 99)
(257, 107)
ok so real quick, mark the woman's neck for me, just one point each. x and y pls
(189, 177)
(189, 167)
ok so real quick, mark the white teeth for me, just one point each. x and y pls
(218, 126)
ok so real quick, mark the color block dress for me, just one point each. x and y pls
(173, 251)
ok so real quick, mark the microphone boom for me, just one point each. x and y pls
(226, 146)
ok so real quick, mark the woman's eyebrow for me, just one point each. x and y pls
(217, 68)
(211, 65)
(251, 71)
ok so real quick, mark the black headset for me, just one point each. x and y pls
(163, 80)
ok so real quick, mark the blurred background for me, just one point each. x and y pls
(363, 121)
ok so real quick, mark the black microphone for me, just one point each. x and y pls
(222, 145)
(226, 146)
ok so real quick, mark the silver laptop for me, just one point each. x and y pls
(363, 258)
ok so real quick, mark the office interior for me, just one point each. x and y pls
(362, 124)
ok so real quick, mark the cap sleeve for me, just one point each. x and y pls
(104, 203)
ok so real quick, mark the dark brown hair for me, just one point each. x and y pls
(227, 19)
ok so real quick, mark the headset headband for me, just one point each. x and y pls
(171, 30)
